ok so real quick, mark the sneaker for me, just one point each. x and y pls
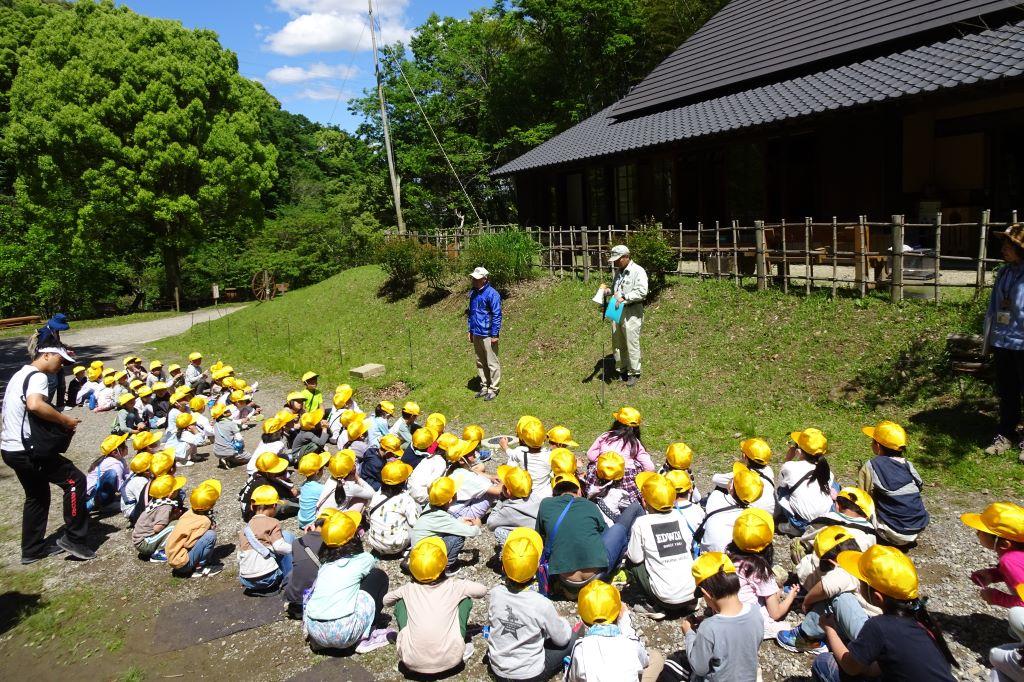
(490, 396)
(294, 611)
(793, 640)
(1000, 444)
(188, 463)
(196, 573)
(158, 557)
(786, 528)
(453, 571)
(212, 569)
(620, 579)
(645, 608)
(376, 640)
(80, 552)
(484, 455)
(481, 393)
(468, 653)
(631, 381)
(48, 551)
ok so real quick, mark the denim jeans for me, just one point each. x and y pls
(201, 552)
(272, 580)
(104, 493)
(454, 544)
(849, 617)
(616, 536)
(501, 535)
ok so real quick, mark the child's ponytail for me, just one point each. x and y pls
(916, 609)
(822, 473)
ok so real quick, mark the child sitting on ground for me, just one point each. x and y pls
(314, 467)
(348, 595)
(723, 647)
(516, 507)
(406, 424)
(228, 445)
(476, 490)
(312, 397)
(104, 397)
(690, 512)
(531, 454)
(264, 550)
(204, 428)
(157, 520)
(380, 425)
(609, 487)
(392, 511)
(145, 410)
(272, 471)
(894, 484)
(723, 508)
(611, 650)
(133, 492)
(126, 420)
(904, 643)
(430, 467)
(806, 488)
(271, 441)
(528, 639)
(756, 453)
(623, 437)
(185, 438)
(854, 510)
(189, 546)
(305, 564)
(433, 612)
(659, 551)
(438, 522)
(107, 473)
(679, 457)
(344, 490)
(388, 448)
(312, 436)
(752, 553)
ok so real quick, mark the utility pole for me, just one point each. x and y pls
(387, 131)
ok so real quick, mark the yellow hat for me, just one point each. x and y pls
(220, 409)
(184, 420)
(446, 441)
(238, 396)
(162, 462)
(228, 382)
(387, 407)
(423, 439)
(342, 463)
(180, 394)
(828, 538)
(309, 376)
(756, 450)
(888, 434)
(340, 400)
(560, 478)
(310, 464)
(121, 375)
(217, 366)
(155, 365)
(860, 498)
(241, 384)
(395, 472)
(746, 485)
(159, 386)
(391, 443)
(173, 368)
(344, 392)
(358, 428)
(517, 481)
(436, 422)
(205, 495)
(753, 530)
(265, 496)
(658, 491)
(109, 371)
(125, 398)
(679, 456)
(561, 437)
(92, 374)
(628, 415)
(295, 395)
(520, 556)
(473, 432)
(144, 439)
(270, 463)
(271, 425)
(136, 384)
(610, 466)
(197, 403)
(144, 391)
(531, 432)
(1002, 519)
(680, 480)
(77, 369)
(811, 441)
(709, 564)
(309, 420)
(442, 491)
(108, 380)
(463, 448)
(562, 461)
(192, 357)
(340, 528)
(140, 462)
(411, 408)
(165, 486)
(885, 569)
(111, 443)
(96, 363)
(285, 416)
(128, 360)
(428, 559)
(600, 603)
(349, 416)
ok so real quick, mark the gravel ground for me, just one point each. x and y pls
(947, 554)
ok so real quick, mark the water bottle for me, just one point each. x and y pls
(485, 631)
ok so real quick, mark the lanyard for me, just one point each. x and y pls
(1007, 285)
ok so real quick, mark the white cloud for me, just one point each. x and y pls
(323, 93)
(259, 28)
(384, 8)
(318, 32)
(290, 75)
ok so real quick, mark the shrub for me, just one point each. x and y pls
(435, 267)
(507, 255)
(398, 257)
(649, 248)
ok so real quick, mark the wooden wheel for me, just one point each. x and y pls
(263, 285)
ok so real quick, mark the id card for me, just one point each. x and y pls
(1003, 317)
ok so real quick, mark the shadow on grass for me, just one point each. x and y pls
(394, 290)
(432, 296)
(16, 607)
(947, 434)
(604, 370)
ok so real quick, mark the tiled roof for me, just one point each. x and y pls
(987, 56)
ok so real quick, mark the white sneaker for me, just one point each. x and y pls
(468, 653)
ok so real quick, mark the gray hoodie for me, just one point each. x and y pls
(514, 513)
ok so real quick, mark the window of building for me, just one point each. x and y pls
(625, 193)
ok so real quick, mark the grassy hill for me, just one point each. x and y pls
(720, 364)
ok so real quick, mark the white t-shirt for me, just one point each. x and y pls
(767, 499)
(662, 543)
(426, 472)
(275, 446)
(806, 501)
(609, 659)
(539, 466)
(15, 423)
(718, 529)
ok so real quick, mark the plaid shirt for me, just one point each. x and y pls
(594, 487)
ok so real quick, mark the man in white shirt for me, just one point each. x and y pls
(628, 287)
(28, 393)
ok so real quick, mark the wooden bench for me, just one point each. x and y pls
(19, 321)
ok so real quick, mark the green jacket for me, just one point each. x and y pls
(314, 399)
(577, 543)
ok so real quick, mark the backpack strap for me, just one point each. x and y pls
(825, 522)
(698, 534)
(554, 531)
(24, 414)
(258, 546)
(309, 552)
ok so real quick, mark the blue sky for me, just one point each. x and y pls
(313, 55)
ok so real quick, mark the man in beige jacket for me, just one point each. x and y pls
(629, 287)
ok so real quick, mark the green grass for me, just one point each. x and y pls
(720, 364)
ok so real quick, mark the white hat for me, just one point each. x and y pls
(479, 273)
(618, 252)
(63, 352)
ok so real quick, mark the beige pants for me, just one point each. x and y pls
(626, 341)
(654, 668)
(487, 366)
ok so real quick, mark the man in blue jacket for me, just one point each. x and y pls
(484, 327)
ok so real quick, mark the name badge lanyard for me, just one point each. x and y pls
(1006, 288)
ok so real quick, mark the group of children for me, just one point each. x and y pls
(609, 528)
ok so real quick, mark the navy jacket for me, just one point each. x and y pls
(485, 311)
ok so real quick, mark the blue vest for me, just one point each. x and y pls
(896, 489)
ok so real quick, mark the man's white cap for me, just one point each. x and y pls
(59, 351)
(618, 252)
(479, 273)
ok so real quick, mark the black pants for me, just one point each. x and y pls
(1009, 366)
(35, 476)
(375, 584)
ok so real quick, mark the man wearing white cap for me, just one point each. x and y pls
(484, 327)
(32, 442)
(629, 287)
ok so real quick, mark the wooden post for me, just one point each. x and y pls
(572, 251)
(785, 261)
(938, 255)
(735, 252)
(858, 256)
(864, 251)
(551, 261)
(177, 300)
(807, 255)
(700, 258)
(835, 256)
(979, 274)
(897, 259)
(761, 262)
(718, 251)
(584, 244)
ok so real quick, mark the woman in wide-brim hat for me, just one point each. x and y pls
(1004, 330)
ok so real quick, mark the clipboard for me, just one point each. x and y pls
(614, 310)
